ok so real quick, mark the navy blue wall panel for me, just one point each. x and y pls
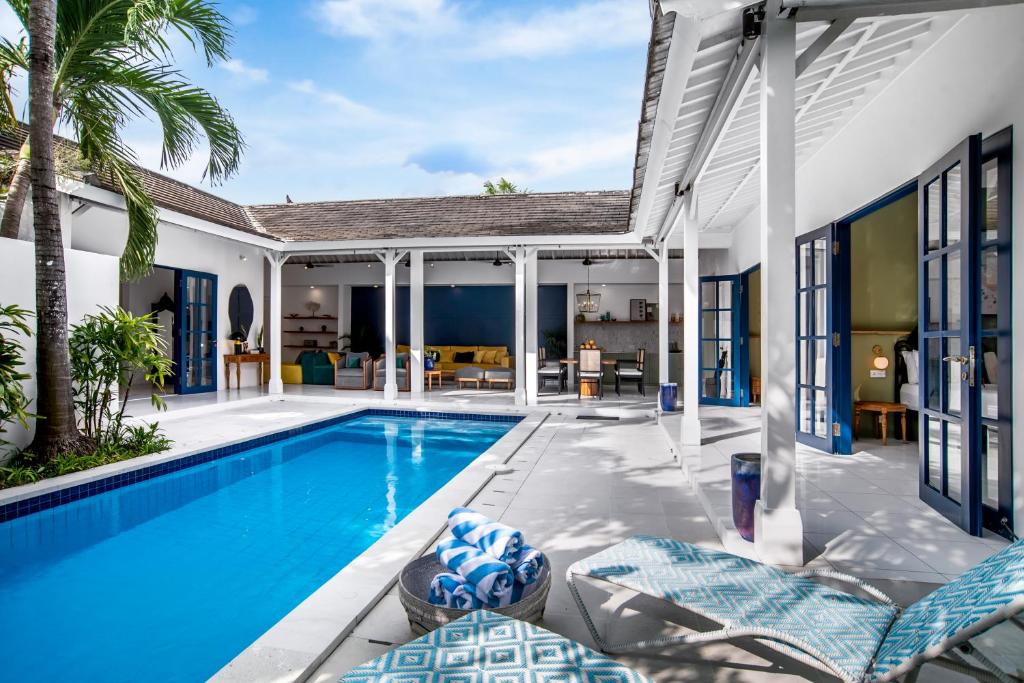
(466, 316)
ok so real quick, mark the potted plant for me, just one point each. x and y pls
(430, 356)
(259, 340)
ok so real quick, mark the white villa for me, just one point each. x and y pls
(818, 244)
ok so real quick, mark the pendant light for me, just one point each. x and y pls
(588, 302)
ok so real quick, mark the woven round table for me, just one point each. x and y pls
(414, 587)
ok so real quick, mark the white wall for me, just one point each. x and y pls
(968, 82)
(92, 281)
(103, 231)
(615, 297)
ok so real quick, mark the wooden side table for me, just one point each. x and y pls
(755, 389)
(238, 359)
(883, 408)
(430, 376)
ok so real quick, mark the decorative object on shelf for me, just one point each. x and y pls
(293, 315)
(309, 342)
(746, 490)
(638, 309)
(259, 340)
(588, 302)
(580, 318)
(651, 312)
(313, 307)
(323, 328)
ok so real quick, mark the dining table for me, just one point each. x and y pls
(588, 389)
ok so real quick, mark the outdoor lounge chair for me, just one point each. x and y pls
(851, 637)
(484, 646)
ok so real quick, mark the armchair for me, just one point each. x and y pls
(402, 376)
(353, 370)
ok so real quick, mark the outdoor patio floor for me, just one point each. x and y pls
(582, 485)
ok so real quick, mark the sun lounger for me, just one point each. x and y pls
(854, 638)
(484, 646)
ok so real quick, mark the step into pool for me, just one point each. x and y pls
(169, 578)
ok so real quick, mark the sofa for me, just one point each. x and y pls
(402, 376)
(317, 367)
(353, 370)
(485, 357)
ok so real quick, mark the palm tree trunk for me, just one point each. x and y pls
(16, 195)
(57, 431)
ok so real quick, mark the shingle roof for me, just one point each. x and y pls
(167, 193)
(554, 213)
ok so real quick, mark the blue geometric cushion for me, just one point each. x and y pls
(991, 592)
(839, 629)
(484, 647)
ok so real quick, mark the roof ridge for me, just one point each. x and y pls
(519, 195)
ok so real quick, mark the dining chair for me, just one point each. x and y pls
(550, 371)
(591, 370)
(631, 371)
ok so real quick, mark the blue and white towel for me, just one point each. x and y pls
(494, 538)
(451, 590)
(492, 579)
(528, 564)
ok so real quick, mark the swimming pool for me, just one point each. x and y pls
(169, 578)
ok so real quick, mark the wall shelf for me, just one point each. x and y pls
(309, 317)
(332, 332)
(623, 322)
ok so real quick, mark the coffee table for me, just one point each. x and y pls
(430, 375)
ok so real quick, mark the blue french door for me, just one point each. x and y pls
(949, 195)
(196, 352)
(719, 340)
(815, 337)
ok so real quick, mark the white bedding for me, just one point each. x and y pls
(989, 399)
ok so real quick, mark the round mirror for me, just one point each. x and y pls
(240, 312)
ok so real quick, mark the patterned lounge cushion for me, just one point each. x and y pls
(352, 361)
(484, 646)
(842, 629)
(399, 361)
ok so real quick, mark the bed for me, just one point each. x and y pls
(908, 379)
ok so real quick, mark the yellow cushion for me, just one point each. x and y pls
(479, 356)
(446, 353)
(500, 357)
(335, 357)
(291, 373)
(402, 348)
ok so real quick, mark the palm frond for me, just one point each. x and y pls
(200, 21)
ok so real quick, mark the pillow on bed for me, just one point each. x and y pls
(910, 358)
(991, 367)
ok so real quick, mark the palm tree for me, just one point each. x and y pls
(113, 63)
(57, 432)
(503, 186)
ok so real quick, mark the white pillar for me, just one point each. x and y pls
(663, 312)
(276, 320)
(530, 327)
(390, 374)
(570, 330)
(690, 435)
(416, 320)
(520, 350)
(778, 529)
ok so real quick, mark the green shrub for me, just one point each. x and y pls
(13, 402)
(107, 349)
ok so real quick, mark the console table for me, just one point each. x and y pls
(238, 359)
(883, 408)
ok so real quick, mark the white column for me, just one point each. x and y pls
(390, 374)
(276, 261)
(663, 313)
(570, 330)
(520, 350)
(416, 320)
(778, 529)
(690, 435)
(530, 327)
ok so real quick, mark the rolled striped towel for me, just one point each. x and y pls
(494, 538)
(451, 590)
(493, 579)
(528, 564)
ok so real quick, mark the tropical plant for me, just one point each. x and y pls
(57, 433)
(13, 402)
(113, 62)
(107, 350)
(503, 186)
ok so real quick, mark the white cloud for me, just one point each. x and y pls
(244, 71)
(356, 113)
(375, 19)
(596, 151)
(588, 25)
(243, 15)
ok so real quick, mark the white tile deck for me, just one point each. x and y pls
(581, 485)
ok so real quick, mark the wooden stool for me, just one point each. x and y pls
(883, 408)
(430, 376)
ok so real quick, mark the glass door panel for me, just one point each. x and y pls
(814, 339)
(197, 351)
(719, 340)
(950, 465)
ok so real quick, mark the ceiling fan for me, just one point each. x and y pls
(311, 266)
(587, 261)
(498, 262)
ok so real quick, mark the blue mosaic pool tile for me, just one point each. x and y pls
(72, 493)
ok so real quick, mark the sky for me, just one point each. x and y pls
(347, 99)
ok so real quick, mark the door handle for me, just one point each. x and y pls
(962, 360)
(967, 364)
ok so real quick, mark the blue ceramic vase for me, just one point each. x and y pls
(746, 490)
(669, 396)
(428, 363)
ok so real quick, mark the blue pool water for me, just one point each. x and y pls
(169, 579)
